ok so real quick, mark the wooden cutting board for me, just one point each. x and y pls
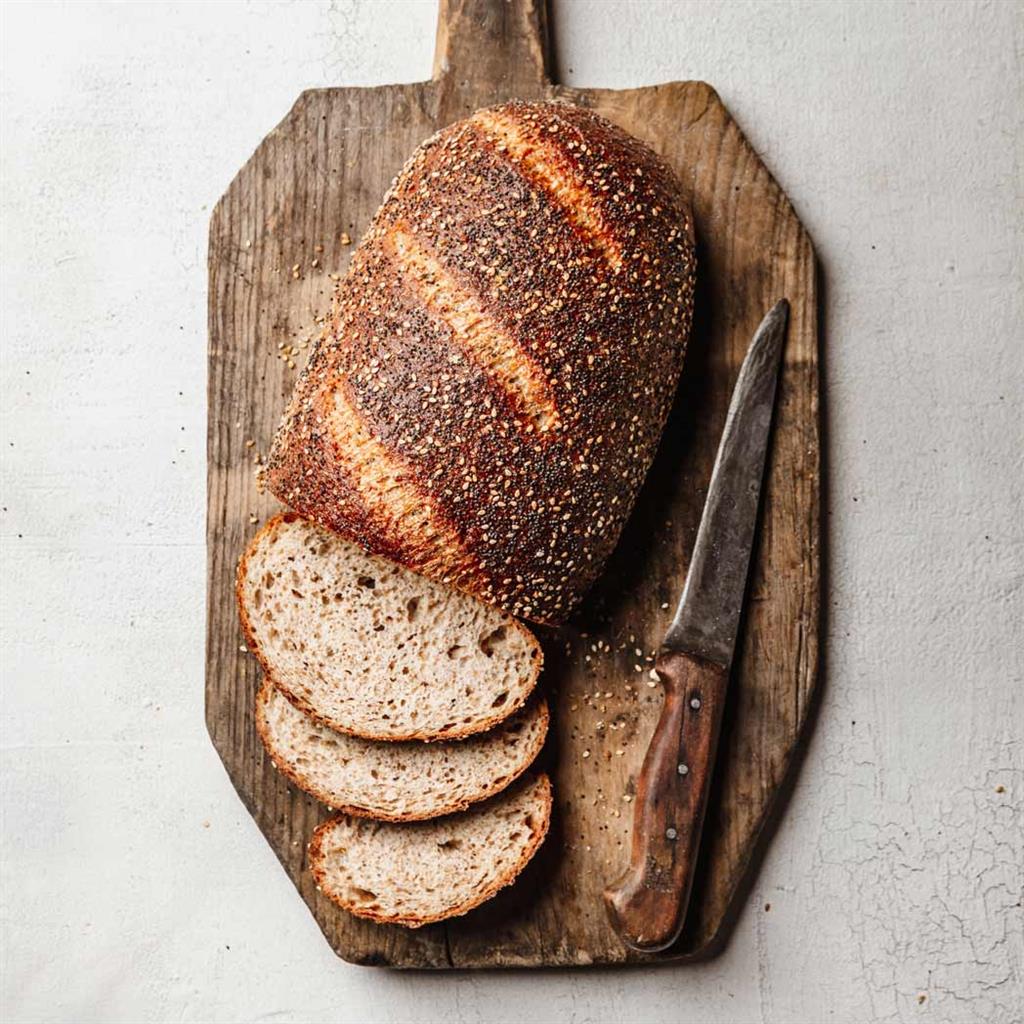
(281, 230)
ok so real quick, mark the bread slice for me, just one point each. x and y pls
(428, 871)
(396, 781)
(371, 649)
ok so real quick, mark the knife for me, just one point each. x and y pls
(647, 905)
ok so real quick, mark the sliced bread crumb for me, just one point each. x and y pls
(371, 649)
(414, 874)
(397, 781)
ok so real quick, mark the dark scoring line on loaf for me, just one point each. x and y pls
(473, 329)
(545, 165)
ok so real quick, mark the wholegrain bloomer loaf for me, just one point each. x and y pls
(369, 648)
(396, 781)
(501, 358)
(428, 871)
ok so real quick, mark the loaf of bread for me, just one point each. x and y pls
(428, 871)
(501, 359)
(369, 648)
(396, 781)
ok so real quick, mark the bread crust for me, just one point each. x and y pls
(315, 848)
(308, 786)
(501, 360)
(459, 730)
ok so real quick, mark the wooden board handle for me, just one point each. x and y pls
(647, 905)
(498, 42)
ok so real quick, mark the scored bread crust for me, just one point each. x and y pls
(501, 358)
(315, 853)
(330, 800)
(457, 731)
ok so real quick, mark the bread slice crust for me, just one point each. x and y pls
(541, 785)
(334, 801)
(452, 731)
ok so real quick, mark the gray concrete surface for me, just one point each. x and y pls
(135, 887)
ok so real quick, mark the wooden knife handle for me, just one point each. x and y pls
(647, 905)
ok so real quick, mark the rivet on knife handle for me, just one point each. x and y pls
(647, 905)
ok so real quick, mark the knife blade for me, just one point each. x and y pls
(647, 905)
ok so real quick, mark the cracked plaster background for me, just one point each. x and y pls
(135, 887)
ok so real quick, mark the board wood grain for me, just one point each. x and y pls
(279, 237)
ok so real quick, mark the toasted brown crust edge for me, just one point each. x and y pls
(457, 732)
(499, 883)
(331, 802)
